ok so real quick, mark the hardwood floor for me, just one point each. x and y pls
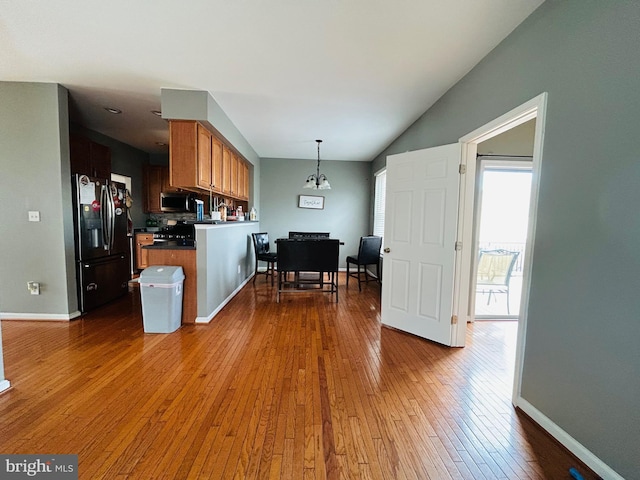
(304, 389)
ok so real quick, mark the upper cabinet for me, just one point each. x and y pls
(199, 160)
(88, 157)
(156, 181)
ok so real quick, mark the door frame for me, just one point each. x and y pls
(500, 163)
(534, 108)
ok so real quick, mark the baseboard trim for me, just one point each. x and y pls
(4, 385)
(208, 318)
(51, 317)
(570, 443)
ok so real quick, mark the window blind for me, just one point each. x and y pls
(379, 201)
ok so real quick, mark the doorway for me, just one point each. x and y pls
(504, 188)
(533, 109)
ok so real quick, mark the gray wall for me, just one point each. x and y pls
(221, 250)
(346, 205)
(581, 356)
(34, 152)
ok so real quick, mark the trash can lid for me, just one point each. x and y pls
(162, 274)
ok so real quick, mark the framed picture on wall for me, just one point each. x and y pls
(311, 201)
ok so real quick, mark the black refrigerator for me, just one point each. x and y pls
(102, 245)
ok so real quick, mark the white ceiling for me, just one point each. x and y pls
(355, 73)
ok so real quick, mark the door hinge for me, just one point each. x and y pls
(454, 319)
(462, 169)
(458, 246)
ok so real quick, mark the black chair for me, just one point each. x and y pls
(261, 249)
(368, 254)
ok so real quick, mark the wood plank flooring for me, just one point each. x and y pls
(304, 389)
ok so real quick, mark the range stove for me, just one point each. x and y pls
(181, 234)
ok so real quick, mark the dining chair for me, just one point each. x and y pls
(494, 272)
(368, 254)
(262, 253)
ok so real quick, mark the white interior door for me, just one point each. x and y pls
(421, 217)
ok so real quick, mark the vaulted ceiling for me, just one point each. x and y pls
(354, 73)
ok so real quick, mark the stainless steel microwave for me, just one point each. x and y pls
(171, 202)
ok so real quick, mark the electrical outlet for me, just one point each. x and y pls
(34, 216)
(34, 288)
(238, 269)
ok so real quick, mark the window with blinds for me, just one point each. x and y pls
(379, 200)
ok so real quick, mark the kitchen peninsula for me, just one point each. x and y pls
(215, 269)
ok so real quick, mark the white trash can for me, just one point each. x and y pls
(161, 295)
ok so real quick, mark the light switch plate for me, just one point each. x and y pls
(34, 216)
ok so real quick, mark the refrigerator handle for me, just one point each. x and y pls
(112, 217)
(104, 216)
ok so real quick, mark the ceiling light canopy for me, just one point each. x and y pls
(317, 181)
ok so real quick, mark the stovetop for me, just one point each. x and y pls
(182, 233)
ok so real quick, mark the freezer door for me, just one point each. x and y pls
(102, 280)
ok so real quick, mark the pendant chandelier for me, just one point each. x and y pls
(317, 181)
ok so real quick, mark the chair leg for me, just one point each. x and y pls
(255, 272)
(359, 279)
(348, 274)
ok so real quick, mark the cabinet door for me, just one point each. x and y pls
(183, 147)
(89, 158)
(166, 186)
(100, 160)
(235, 160)
(243, 181)
(142, 254)
(204, 158)
(226, 170)
(79, 154)
(216, 164)
(154, 179)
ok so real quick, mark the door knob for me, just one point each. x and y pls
(387, 250)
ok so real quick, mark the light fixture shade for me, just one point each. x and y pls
(324, 185)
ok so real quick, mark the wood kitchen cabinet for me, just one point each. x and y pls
(192, 149)
(243, 181)
(227, 158)
(156, 181)
(153, 181)
(142, 254)
(216, 164)
(187, 260)
(201, 161)
(88, 157)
